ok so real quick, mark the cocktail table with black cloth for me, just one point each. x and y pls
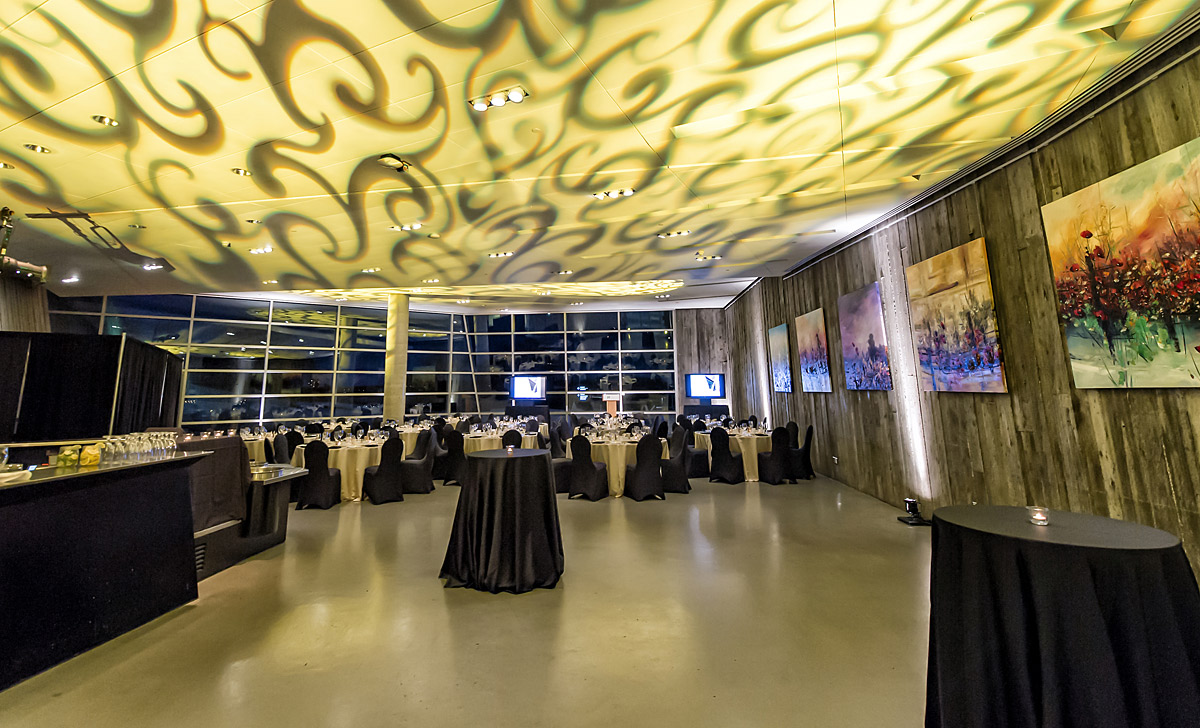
(506, 535)
(1088, 621)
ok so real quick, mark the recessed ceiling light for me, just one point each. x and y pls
(241, 172)
(435, 236)
(6, 165)
(341, 299)
(503, 309)
(37, 148)
(499, 99)
(255, 222)
(516, 95)
(138, 227)
(105, 120)
(663, 295)
(432, 280)
(226, 244)
(269, 282)
(479, 105)
(72, 279)
(576, 303)
(613, 194)
(152, 266)
(229, 333)
(507, 254)
(393, 162)
(371, 270)
(300, 340)
(701, 256)
(543, 293)
(564, 272)
(464, 300)
(979, 15)
(676, 234)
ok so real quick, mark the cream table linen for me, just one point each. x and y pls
(616, 455)
(352, 460)
(748, 445)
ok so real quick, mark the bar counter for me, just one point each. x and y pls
(89, 553)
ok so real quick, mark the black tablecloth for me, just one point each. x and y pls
(1087, 622)
(505, 535)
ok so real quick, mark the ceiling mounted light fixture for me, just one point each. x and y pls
(543, 293)
(463, 300)
(254, 222)
(371, 270)
(152, 266)
(391, 161)
(269, 282)
(564, 273)
(701, 256)
(72, 279)
(341, 299)
(138, 227)
(676, 234)
(37, 148)
(663, 295)
(6, 165)
(105, 120)
(507, 254)
(513, 95)
(614, 194)
(241, 172)
(262, 250)
(576, 303)
(226, 244)
(432, 280)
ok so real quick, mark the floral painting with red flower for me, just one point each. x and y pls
(1126, 260)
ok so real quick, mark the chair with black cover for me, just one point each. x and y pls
(283, 449)
(268, 451)
(532, 427)
(644, 478)
(416, 475)
(572, 422)
(463, 426)
(559, 461)
(322, 487)
(359, 429)
(455, 460)
(727, 422)
(512, 438)
(753, 420)
(697, 460)
(793, 435)
(381, 483)
(726, 465)
(800, 460)
(421, 447)
(675, 468)
(565, 432)
(588, 479)
(743, 423)
(475, 420)
(491, 420)
(629, 430)
(661, 429)
(440, 452)
(439, 428)
(295, 440)
(775, 466)
(314, 428)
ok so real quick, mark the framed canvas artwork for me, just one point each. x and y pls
(864, 343)
(812, 348)
(781, 366)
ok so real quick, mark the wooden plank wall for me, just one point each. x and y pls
(1131, 454)
(700, 346)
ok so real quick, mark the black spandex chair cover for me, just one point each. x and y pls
(268, 451)
(793, 435)
(800, 460)
(532, 427)
(726, 465)
(390, 431)
(644, 478)
(314, 428)
(753, 420)
(421, 448)
(322, 487)
(697, 460)
(416, 476)
(512, 438)
(359, 429)
(455, 460)
(440, 452)
(674, 470)
(295, 440)
(587, 479)
(559, 463)
(463, 426)
(381, 483)
(283, 450)
(775, 467)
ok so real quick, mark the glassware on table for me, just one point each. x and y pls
(1038, 515)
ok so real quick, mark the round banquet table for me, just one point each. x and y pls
(476, 443)
(748, 445)
(505, 535)
(617, 455)
(352, 460)
(1088, 621)
(254, 446)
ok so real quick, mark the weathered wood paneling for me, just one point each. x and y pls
(23, 306)
(1130, 454)
(700, 346)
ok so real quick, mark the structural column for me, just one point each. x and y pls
(395, 372)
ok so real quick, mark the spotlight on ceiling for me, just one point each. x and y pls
(393, 162)
(152, 266)
(613, 194)
(138, 227)
(271, 281)
(105, 120)
(564, 273)
(371, 270)
(37, 148)
(262, 250)
(663, 295)
(226, 244)
(6, 165)
(464, 300)
(576, 303)
(254, 222)
(700, 256)
(341, 299)
(676, 234)
(72, 279)
(507, 254)
(543, 293)
(241, 172)
(432, 280)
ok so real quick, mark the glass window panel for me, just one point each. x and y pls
(426, 321)
(493, 362)
(556, 402)
(277, 408)
(427, 362)
(460, 342)
(648, 381)
(220, 357)
(362, 338)
(300, 360)
(205, 409)
(538, 322)
(457, 323)
(463, 403)
(594, 382)
(360, 383)
(556, 382)
(592, 362)
(490, 344)
(362, 361)
(539, 362)
(82, 304)
(492, 382)
(489, 324)
(493, 403)
(423, 341)
(299, 383)
(304, 313)
(418, 383)
(645, 320)
(213, 332)
(460, 362)
(358, 407)
(648, 360)
(439, 404)
(66, 323)
(649, 402)
(462, 383)
(317, 338)
(646, 340)
(538, 342)
(590, 321)
(597, 341)
(364, 317)
(586, 403)
(232, 309)
(227, 383)
(151, 331)
(177, 306)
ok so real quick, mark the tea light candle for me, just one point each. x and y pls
(509, 448)
(1039, 516)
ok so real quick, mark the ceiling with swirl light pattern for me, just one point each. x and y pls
(766, 130)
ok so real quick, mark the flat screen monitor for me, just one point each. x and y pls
(526, 387)
(706, 386)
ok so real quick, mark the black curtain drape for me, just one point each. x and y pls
(144, 388)
(13, 356)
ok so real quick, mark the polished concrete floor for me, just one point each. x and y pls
(750, 605)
